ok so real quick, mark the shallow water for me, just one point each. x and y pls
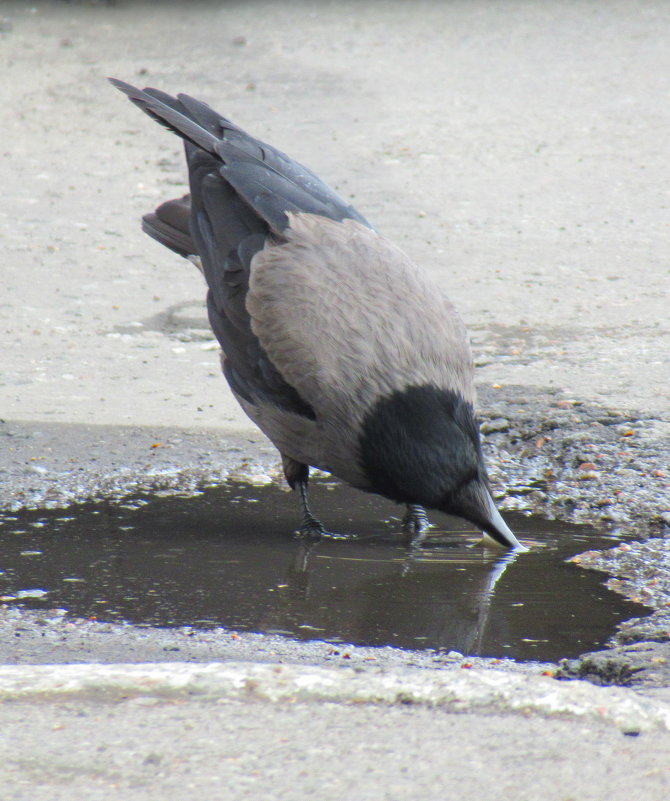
(227, 557)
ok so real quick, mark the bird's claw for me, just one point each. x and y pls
(415, 524)
(312, 530)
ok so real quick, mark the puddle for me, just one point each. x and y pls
(227, 558)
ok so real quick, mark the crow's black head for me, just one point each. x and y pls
(421, 445)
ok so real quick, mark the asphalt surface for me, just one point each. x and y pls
(519, 152)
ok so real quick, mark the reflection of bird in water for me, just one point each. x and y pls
(298, 574)
(486, 597)
(440, 596)
(464, 626)
(345, 354)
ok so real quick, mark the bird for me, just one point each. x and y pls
(349, 357)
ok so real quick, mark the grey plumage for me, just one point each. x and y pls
(345, 354)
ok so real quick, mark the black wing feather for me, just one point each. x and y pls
(241, 191)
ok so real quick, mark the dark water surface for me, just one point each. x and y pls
(227, 557)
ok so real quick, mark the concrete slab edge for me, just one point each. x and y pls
(463, 691)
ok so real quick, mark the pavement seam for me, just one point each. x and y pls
(463, 691)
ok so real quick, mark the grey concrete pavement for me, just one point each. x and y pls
(149, 749)
(518, 150)
(249, 731)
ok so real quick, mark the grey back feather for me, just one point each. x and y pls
(347, 318)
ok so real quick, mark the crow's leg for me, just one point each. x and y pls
(310, 527)
(297, 475)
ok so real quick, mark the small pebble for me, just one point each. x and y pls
(491, 426)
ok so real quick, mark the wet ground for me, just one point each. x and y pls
(547, 455)
(226, 558)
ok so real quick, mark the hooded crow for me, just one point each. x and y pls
(340, 349)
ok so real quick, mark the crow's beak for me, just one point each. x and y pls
(498, 531)
(474, 503)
